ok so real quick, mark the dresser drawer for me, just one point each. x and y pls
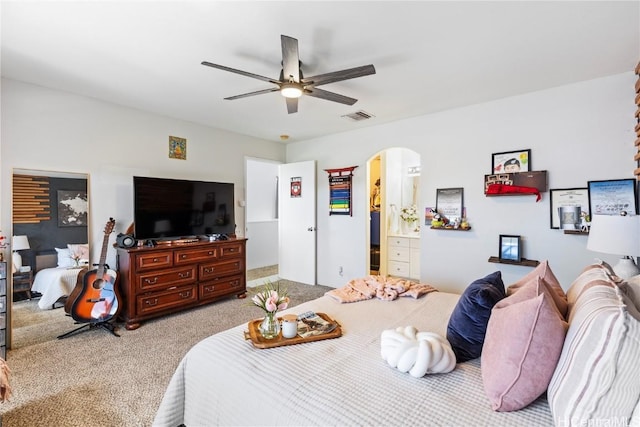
(188, 256)
(165, 300)
(154, 260)
(231, 250)
(224, 286)
(399, 253)
(399, 269)
(220, 268)
(400, 242)
(165, 278)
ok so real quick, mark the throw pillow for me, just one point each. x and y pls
(596, 378)
(631, 288)
(524, 339)
(64, 257)
(468, 321)
(543, 270)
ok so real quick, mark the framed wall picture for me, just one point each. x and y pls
(72, 208)
(510, 248)
(511, 161)
(562, 199)
(612, 197)
(449, 202)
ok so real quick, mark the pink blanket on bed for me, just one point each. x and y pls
(384, 288)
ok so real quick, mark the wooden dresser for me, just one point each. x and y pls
(168, 278)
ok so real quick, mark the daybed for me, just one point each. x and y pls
(593, 372)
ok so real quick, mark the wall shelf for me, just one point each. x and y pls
(451, 229)
(525, 262)
(586, 233)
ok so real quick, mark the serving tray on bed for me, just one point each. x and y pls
(253, 334)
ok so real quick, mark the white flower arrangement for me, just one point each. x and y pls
(409, 214)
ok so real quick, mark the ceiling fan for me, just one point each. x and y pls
(292, 84)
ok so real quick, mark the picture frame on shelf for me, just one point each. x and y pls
(510, 248)
(511, 161)
(449, 202)
(611, 197)
(565, 198)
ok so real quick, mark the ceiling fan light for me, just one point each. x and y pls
(291, 91)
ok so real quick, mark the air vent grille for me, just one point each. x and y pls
(358, 116)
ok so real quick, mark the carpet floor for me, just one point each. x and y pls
(96, 379)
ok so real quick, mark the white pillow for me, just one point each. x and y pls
(64, 257)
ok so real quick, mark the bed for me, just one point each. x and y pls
(53, 282)
(224, 380)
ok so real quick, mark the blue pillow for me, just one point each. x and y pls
(468, 322)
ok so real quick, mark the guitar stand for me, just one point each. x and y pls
(91, 325)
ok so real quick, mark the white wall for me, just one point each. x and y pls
(52, 130)
(577, 133)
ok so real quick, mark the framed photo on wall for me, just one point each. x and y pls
(611, 197)
(511, 161)
(72, 208)
(564, 198)
(510, 248)
(449, 202)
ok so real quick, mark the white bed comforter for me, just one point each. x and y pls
(54, 283)
(224, 380)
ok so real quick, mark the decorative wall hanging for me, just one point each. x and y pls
(566, 198)
(177, 148)
(449, 202)
(613, 196)
(296, 186)
(72, 208)
(510, 248)
(340, 190)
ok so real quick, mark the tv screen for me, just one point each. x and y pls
(173, 208)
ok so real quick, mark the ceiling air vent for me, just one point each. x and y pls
(358, 116)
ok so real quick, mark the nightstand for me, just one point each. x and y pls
(22, 282)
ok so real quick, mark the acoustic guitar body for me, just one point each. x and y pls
(68, 304)
(98, 300)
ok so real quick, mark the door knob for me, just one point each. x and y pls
(311, 229)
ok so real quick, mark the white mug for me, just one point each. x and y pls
(289, 326)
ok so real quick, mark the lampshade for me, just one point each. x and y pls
(617, 235)
(19, 243)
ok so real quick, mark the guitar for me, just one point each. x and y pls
(98, 299)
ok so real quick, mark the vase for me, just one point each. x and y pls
(270, 327)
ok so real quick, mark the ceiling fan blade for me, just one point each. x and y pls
(243, 73)
(330, 96)
(258, 92)
(290, 59)
(292, 105)
(336, 76)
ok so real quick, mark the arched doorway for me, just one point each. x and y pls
(393, 185)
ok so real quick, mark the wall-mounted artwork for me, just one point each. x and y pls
(177, 148)
(340, 190)
(72, 208)
(511, 161)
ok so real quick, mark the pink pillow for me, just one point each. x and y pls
(543, 270)
(522, 346)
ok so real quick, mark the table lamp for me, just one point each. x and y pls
(617, 235)
(18, 243)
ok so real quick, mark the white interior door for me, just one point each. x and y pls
(297, 222)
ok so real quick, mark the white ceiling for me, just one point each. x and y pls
(429, 56)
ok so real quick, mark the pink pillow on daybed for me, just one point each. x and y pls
(543, 270)
(524, 339)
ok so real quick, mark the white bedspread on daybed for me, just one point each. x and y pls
(53, 284)
(224, 380)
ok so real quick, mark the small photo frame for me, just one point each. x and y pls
(511, 162)
(611, 197)
(177, 148)
(510, 249)
(561, 200)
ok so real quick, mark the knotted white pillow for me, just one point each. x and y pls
(418, 353)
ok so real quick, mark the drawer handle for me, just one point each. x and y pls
(184, 275)
(151, 302)
(151, 282)
(209, 288)
(210, 253)
(186, 294)
(155, 260)
(209, 269)
(231, 249)
(235, 283)
(183, 256)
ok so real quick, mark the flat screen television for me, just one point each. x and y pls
(167, 209)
